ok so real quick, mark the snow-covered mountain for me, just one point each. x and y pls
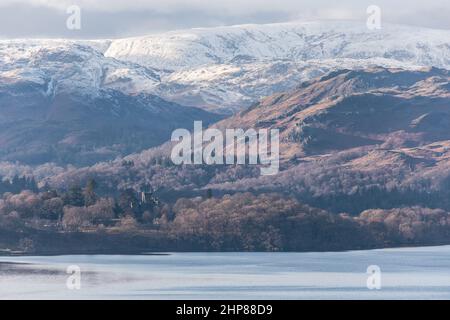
(296, 41)
(65, 102)
(70, 66)
(223, 69)
(229, 68)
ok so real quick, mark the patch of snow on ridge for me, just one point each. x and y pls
(298, 41)
(223, 69)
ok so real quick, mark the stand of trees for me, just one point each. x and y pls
(74, 209)
(242, 221)
(270, 222)
(17, 184)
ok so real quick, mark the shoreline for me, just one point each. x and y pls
(168, 253)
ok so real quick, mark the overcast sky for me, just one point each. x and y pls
(122, 18)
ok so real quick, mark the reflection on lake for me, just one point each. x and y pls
(410, 273)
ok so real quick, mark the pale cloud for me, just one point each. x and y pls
(117, 18)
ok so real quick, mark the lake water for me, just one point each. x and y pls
(410, 273)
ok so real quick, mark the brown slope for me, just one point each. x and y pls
(347, 109)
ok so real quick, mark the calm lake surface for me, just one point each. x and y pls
(412, 273)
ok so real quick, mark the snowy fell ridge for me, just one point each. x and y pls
(223, 69)
(70, 66)
(297, 41)
(65, 102)
(229, 68)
